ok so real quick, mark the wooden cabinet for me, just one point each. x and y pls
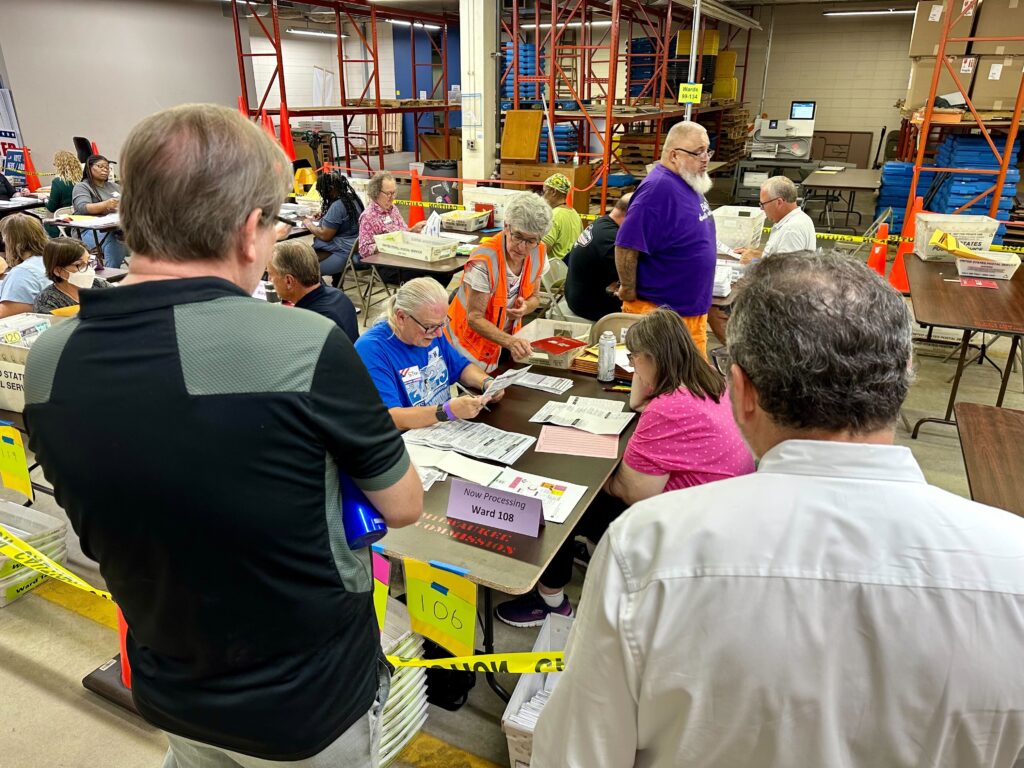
(843, 146)
(579, 175)
(432, 146)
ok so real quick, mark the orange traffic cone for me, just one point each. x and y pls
(268, 125)
(31, 177)
(95, 149)
(122, 632)
(416, 214)
(879, 248)
(286, 135)
(898, 273)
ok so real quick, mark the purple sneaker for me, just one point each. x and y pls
(529, 610)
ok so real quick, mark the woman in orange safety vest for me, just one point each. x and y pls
(499, 285)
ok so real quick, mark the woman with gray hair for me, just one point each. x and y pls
(499, 287)
(414, 366)
(381, 216)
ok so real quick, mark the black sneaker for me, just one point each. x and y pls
(580, 554)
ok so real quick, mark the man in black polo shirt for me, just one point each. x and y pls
(295, 272)
(592, 266)
(252, 631)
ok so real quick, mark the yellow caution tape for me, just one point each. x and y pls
(428, 204)
(26, 554)
(509, 663)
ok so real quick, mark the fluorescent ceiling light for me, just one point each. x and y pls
(545, 25)
(311, 32)
(884, 12)
(419, 24)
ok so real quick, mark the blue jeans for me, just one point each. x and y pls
(114, 251)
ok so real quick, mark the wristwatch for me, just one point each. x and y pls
(439, 414)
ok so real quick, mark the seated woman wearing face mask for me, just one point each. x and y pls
(66, 261)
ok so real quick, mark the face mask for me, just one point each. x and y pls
(82, 279)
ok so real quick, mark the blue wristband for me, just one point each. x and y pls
(448, 412)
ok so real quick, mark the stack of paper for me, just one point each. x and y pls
(557, 497)
(433, 226)
(726, 274)
(503, 382)
(473, 439)
(529, 712)
(556, 385)
(601, 417)
(445, 463)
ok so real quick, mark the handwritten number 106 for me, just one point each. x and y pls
(441, 613)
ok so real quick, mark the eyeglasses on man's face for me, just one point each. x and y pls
(430, 330)
(706, 154)
(772, 200)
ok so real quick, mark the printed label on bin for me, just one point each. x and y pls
(495, 509)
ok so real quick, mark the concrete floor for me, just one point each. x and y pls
(46, 649)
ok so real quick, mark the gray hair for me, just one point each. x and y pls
(411, 296)
(781, 187)
(680, 131)
(191, 175)
(528, 213)
(825, 341)
(376, 184)
(298, 260)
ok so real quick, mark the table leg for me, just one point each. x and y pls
(1006, 371)
(965, 342)
(489, 644)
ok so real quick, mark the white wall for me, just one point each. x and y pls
(96, 68)
(855, 68)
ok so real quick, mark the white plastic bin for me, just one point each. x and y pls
(739, 226)
(972, 231)
(498, 197)
(554, 633)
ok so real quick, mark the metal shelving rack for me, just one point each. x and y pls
(921, 136)
(362, 17)
(593, 95)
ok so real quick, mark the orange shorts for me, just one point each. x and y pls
(697, 325)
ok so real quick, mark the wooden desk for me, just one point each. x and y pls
(992, 441)
(851, 181)
(940, 300)
(498, 560)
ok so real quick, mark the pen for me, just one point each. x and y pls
(617, 388)
(465, 391)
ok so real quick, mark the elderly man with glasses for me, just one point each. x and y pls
(793, 229)
(665, 251)
(499, 286)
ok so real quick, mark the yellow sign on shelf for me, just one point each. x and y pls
(689, 93)
(442, 606)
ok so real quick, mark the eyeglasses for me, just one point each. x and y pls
(430, 330)
(629, 357)
(768, 201)
(707, 154)
(722, 360)
(79, 266)
(392, 193)
(530, 242)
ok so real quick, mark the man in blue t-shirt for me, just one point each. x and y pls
(413, 365)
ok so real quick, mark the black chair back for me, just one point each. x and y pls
(83, 147)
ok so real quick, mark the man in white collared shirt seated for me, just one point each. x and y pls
(831, 609)
(792, 229)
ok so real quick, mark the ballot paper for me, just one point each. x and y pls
(726, 250)
(726, 274)
(433, 226)
(459, 237)
(554, 385)
(451, 463)
(429, 476)
(557, 498)
(503, 382)
(474, 439)
(600, 417)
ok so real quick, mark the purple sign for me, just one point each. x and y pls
(495, 509)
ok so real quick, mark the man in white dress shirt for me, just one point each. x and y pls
(792, 229)
(831, 609)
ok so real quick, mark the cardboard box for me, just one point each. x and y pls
(999, 18)
(1000, 266)
(971, 231)
(13, 353)
(928, 22)
(921, 80)
(996, 83)
(415, 246)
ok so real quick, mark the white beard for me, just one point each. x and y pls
(701, 183)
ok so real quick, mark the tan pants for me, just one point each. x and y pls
(697, 325)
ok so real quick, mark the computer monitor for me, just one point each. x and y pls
(802, 110)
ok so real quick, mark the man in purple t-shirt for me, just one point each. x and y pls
(665, 254)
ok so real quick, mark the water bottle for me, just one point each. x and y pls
(363, 524)
(606, 357)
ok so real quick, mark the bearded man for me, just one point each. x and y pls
(665, 250)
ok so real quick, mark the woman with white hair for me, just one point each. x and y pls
(499, 287)
(414, 366)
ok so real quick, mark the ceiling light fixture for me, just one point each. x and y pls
(311, 32)
(571, 24)
(419, 24)
(883, 12)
